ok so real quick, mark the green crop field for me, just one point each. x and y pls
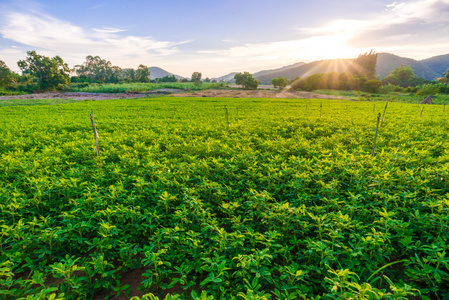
(285, 203)
(140, 87)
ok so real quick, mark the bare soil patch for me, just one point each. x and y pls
(256, 94)
(92, 96)
(232, 93)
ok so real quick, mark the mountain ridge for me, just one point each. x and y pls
(429, 68)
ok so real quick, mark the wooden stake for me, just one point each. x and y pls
(421, 111)
(60, 112)
(321, 108)
(383, 117)
(95, 132)
(226, 114)
(375, 136)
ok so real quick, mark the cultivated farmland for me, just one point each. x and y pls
(218, 198)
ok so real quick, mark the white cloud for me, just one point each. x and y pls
(108, 30)
(52, 36)
(396, 5)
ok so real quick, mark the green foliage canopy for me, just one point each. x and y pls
(364, 65)
(280, 82)
(6, 76)
(143, 73)
(246, 80)
(196, 78)
(401, 76)
(49, 72)
(95, 68)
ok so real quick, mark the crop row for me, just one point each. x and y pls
(285, 203)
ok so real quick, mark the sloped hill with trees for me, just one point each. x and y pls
(439, 64)
(387, 62)
(322, 66)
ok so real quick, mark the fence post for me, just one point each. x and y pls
(383, 116)
(375, 136)
(95, 132)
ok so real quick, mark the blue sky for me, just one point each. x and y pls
(218, 37)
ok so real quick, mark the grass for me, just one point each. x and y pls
(391, 97)
(141, 87)
(34, 102)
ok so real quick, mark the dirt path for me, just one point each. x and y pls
(256, 94)
(175, 93)
(92, 96)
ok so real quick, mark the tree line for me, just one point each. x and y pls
(42, 73)
(361, 76)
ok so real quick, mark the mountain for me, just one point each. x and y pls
(304, 70)
(387, 62)
(156, 72)
(225, 78)
(440, 64)
(270, 72)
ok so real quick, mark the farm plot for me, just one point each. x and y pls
(215, 198)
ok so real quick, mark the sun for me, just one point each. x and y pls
(330, 46)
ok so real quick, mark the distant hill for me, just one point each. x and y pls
(304, 70)
(439, 64)
(156, 72)
(274, 71)
(387, 62)
(226, 78)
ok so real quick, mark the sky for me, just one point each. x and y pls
(219, 37)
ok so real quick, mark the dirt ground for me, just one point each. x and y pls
(175, 93)
(256, 94)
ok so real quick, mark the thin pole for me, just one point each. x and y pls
(375, 136)
(95, 132)
(383, 117)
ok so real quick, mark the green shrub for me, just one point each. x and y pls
(427, 89)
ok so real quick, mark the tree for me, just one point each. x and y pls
(445, 78)
(332, 80)
(130, 75)
(315, 82)
(6, 76)
(282, 82)
(115, 75)
(274, 82)
(401, 76)
(372, 86)
(246, 80)
(207, 79)
(50, 72)
(196, 78)
(95, 68)
(143, 73)
(364, 65)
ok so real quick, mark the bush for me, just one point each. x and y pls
(427, 89)
(297, 84)
(398, 89)
(443, 89)
(411, 89)
(372, 86)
